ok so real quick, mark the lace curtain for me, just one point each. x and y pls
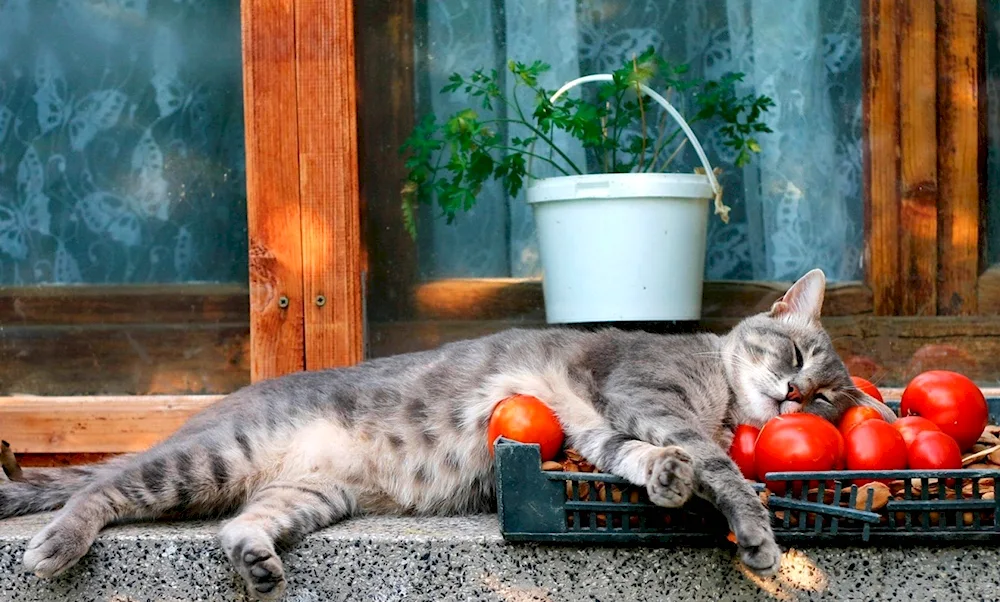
(121, 142)
(795, 207)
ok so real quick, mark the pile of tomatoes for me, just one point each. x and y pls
(942, 414)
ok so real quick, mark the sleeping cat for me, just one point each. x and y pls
(407, 434)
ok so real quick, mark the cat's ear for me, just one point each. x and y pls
(804, 298)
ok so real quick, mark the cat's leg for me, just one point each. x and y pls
(277, 515)
(189, 477)
(688, 462)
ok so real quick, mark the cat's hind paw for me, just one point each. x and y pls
(670, 478)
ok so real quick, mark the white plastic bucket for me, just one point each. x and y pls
(623, 247)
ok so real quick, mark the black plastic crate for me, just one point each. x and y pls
(578, 507)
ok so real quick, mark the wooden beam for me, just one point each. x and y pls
(123, 304)
(918, 133)
(94, 424)
(386, 112)
(273, 209)
(328, 158)
(513, 298)
(124, 359)
(880, 82)
(960, 154)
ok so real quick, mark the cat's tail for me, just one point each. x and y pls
(46, 489)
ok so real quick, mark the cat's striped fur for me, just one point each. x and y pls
(406, 434)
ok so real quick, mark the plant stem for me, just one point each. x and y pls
(673, 154)
(539, 133)
(536, 156)
(665, 143)
(642, 113)
(661, 127)
(523, 121)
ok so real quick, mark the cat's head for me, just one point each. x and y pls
(783, 361)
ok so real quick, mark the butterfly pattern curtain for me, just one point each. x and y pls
(121, 142)
(795, 207)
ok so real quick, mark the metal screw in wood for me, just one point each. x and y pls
(320, 300)
(283, 302)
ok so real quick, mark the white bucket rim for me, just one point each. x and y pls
(619, 186)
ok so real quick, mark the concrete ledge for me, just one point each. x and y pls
(383, 559)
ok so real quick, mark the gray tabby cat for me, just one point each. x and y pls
(406, 434)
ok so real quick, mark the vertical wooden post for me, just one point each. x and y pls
(918, 158)
(328, 159)
(880, 81)
(274, 221)
(960, 154)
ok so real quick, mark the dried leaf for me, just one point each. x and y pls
(977, 455)
(550, 465)
(988, 438)
(981, 466)
(879, 492)
(994, 457)
(9, 463)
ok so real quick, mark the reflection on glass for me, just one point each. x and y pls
(123, 251)
(121, 143)
(797, 206)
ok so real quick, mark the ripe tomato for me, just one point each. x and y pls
(797, 442)
(911, 426)
(875, 445)
(934, 450)
(868, 387)
(949, 400)
(526, 419)
(855, 416)
(742, 449)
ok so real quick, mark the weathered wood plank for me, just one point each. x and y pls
(328, 149)
(880, 83)
(124, 359)
(960, 156)
(93, 425)
(918, 134)
(273, 209)
(386, 111)
(504, 298)
(123, 304)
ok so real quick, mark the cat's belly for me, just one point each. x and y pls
(451, 478)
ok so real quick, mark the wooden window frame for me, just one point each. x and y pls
(309, 216)
(303, 305)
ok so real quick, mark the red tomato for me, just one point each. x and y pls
(866, 386)
(911, 426)
(742, 449)
(875, 445)
(934, 450)
(855, 416)
(797, 442)
(949, 400)
(526, 419)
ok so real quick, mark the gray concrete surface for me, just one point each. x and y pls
(388, 559)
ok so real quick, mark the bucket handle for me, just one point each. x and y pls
(720, 209)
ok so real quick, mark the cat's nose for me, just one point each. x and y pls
(793, 393)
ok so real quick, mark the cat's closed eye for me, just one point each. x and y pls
(798, 361)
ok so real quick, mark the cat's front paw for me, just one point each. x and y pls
(670, 478)
(56, 548)
(759, 552)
